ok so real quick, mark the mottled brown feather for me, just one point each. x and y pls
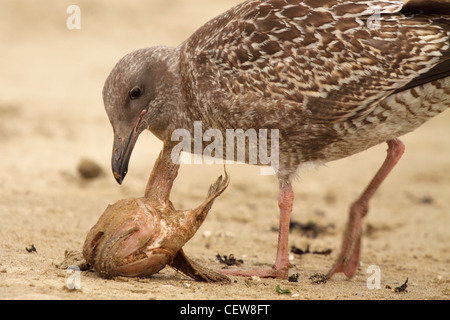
(335, 77)
(310, 65)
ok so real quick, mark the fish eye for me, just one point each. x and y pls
(135, 93)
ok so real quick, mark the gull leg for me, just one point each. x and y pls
(348, 259)
(285, 202)
(282, 265)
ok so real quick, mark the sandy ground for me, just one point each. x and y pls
(52, 117)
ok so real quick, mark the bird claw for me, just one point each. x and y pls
(348, 259)
(347, 264)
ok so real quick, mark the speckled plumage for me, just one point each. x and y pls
(312, 69)
(335, 77)
(316, 66)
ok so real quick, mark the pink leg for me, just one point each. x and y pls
(282, 265)
(348, 259)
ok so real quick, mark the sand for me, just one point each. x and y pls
(52, 117)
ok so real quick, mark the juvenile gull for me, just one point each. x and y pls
(335, 77)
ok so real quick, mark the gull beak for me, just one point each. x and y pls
(122, 149)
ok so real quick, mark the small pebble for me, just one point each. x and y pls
(88, 169)
(207, 234)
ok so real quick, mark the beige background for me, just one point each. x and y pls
(51, 116)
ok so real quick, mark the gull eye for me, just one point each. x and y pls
(135, 93)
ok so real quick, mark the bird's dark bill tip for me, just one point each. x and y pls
(118, 177)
